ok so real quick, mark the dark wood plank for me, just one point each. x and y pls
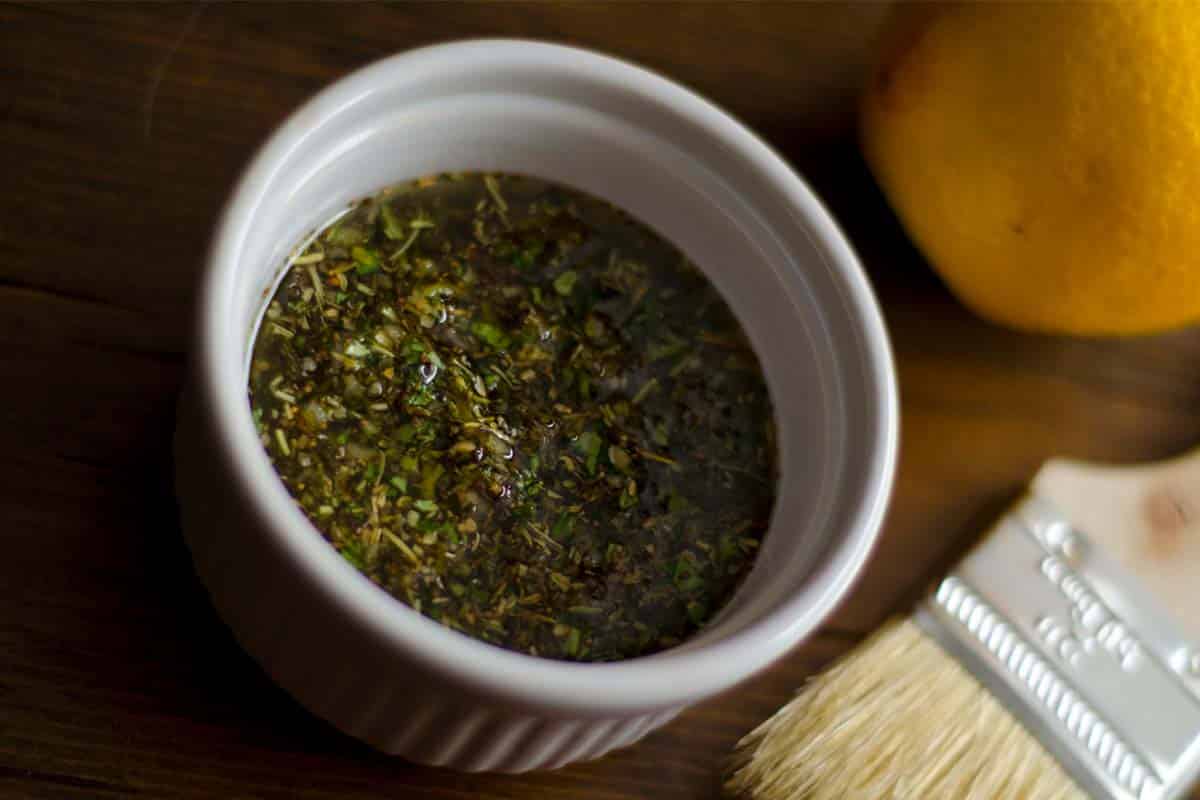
(122, 129)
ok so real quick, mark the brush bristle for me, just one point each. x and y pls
(896, 718)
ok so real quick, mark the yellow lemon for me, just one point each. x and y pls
(1046, 158)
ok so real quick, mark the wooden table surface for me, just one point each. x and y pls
(122, 130)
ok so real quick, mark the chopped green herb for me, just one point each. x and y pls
(491, 334)
(392, 227)
(571, 645)
(366, 261)
(564, 284)
(520, 412)
(642, 393)
(281, 438)
(588, 444)
(563, 526)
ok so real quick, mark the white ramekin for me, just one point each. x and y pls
(379, 670)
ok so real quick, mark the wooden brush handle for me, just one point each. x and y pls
(1147, 517)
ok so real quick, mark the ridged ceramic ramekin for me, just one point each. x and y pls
(381, 671)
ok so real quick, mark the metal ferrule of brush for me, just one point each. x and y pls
(1086, 658)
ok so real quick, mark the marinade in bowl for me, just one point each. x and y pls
(521, 412)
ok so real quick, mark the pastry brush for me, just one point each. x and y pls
(1059, 659)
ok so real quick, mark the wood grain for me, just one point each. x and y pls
(122, 129)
